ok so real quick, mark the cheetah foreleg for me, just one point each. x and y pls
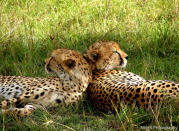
(27, 110)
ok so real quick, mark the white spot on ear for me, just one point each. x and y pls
(47, 71)
(124, 64)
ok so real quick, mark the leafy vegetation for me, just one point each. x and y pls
(148, 30)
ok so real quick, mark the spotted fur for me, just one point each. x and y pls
(74, 75)
(111, 87)
(106, 56)
(107, 92)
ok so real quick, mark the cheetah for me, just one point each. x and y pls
(108, 56)
(110, 87)
(73, 77)
(24, 94)
(102, 58)
(106, 92)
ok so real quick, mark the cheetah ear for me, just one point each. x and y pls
(94, 56)
(47, 65)
(70, 63)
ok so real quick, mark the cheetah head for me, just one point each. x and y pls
(68, 63)
(106, 56)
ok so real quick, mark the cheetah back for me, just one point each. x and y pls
(107, 92)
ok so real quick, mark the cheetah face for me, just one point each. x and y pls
(53, 65)
(69, 64)
(106, 56)
(60, 62)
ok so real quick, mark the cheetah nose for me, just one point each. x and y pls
(126, 57)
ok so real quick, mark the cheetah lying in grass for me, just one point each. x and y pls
(74, 75)
(109, 87)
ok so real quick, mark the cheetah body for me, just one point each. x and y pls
(42, 91)
(111, 87)
(107, 92)
(73, 72)
(108, 88)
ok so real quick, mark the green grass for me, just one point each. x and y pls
(148, 30)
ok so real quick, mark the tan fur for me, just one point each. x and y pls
(108, 87)
(74, 76)
(108, 56)
(111, 87)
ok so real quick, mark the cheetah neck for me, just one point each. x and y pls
(73, 83)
